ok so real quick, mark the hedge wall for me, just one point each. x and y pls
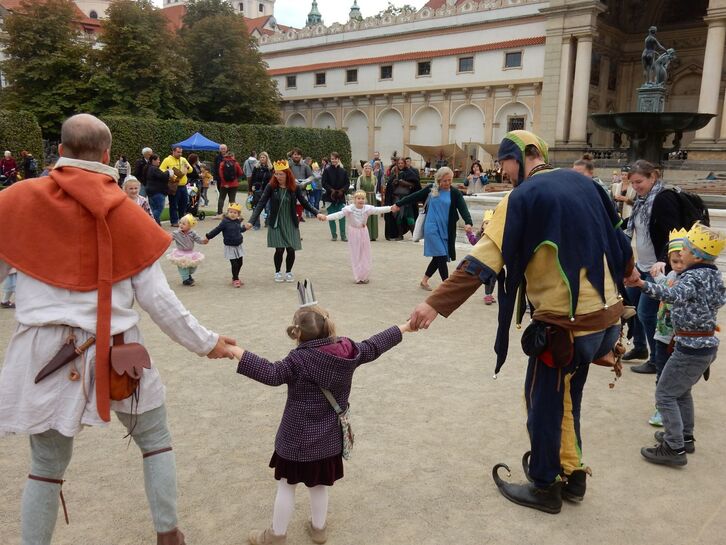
(19, 131)
(131, 134)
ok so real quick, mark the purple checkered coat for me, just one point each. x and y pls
(309, 429)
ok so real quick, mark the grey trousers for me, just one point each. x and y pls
(51, 453)
(673, 393)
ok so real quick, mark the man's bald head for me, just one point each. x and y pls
(85, 137)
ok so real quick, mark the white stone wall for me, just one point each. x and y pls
(97, 6)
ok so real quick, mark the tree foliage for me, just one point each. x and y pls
(131, 134)
(20, 131)
(138, 70)
(46, 62)
(228, 74)
(201, 9)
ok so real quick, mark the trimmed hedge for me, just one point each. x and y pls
(131, 134)
(19, 130)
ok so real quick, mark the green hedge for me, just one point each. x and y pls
(19, 130)
(131, 134)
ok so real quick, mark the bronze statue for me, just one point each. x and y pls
(650, 54)
(661, 66)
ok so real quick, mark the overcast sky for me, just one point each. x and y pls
(295, 12)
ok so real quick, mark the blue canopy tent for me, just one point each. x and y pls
(197, 142)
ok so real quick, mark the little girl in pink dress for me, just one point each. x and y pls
(359, 243)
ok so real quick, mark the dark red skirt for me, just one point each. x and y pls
(317, 472)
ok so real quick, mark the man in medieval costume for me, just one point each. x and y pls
(84, 252)
(554, 245)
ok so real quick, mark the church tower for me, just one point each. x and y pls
(314, 17)
(355, 13)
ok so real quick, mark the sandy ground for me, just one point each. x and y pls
(429, 419)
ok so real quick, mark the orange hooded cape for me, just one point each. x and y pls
(91, 233)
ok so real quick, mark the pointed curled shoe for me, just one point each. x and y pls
(547, 500)
(574, 485)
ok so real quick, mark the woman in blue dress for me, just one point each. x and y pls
(444, 205)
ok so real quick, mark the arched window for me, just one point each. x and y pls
(241, 6)
(93, 14)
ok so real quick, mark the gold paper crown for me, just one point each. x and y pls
(235, 206)
(281, 165)
(675, 240)
(191, 220)
(488, 215)
(705, 242)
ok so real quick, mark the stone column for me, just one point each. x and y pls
(581, 90)
(711, 78)
(565, 91)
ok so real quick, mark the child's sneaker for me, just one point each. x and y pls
(689, 443)
(663, 454)
(656, 420)
(289, 277)
(266, 537)
(278, 277)
(488, 299)
(318, 536)
(236, 283)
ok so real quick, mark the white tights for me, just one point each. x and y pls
(285, 506)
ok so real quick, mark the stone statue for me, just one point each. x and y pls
(661, 66)
(650, 55)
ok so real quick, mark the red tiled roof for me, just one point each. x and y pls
(175, 16)
(417, 55)
(258, 23)
(81, 18)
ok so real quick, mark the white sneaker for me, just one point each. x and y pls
(289, 277)
(278, 277)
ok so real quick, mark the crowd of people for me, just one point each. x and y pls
(555, 241)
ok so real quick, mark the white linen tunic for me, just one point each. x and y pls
(46, 315)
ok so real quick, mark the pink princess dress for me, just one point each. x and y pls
(359, 244)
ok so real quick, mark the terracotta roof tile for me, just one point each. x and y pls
(81, 18)
(416, 55)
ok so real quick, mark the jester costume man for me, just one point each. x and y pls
(553, 242)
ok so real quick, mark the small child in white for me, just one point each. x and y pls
(184, 256)
(359, 243)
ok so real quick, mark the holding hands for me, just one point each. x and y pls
(223, 348)
(322, 217)
(395, 208)
(634, 280)
(422, 316)
(237, 352)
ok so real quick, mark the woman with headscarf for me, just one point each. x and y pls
(367, 182)
(656, 212)
(401, 183)
(444, 205)
(283, 227)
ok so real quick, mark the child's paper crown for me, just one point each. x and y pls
(306, 294)
(191, 220)
(675, 240)
(235, 206)
(705, 242)
(281, 165)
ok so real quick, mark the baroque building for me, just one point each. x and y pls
(465, 72)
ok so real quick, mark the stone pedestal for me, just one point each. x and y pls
(651, 98)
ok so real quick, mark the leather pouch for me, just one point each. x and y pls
(128, 362)
(552, 344)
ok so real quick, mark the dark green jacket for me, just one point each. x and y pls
(458, 208)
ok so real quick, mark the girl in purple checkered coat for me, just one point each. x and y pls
(309, 442)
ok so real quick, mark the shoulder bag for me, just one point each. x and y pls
(418, 228)
(344, 419)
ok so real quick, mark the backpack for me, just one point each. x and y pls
(229, 172)
(692, 208)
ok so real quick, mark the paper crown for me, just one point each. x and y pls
(306, 294)
(675, 240)
(488, 215)
(705, 242)
(315, 166)
(191, 220)
(235, 206)
(281, 165)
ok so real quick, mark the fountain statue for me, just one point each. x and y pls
(650, 126)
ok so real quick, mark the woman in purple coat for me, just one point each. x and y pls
(309, 442)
